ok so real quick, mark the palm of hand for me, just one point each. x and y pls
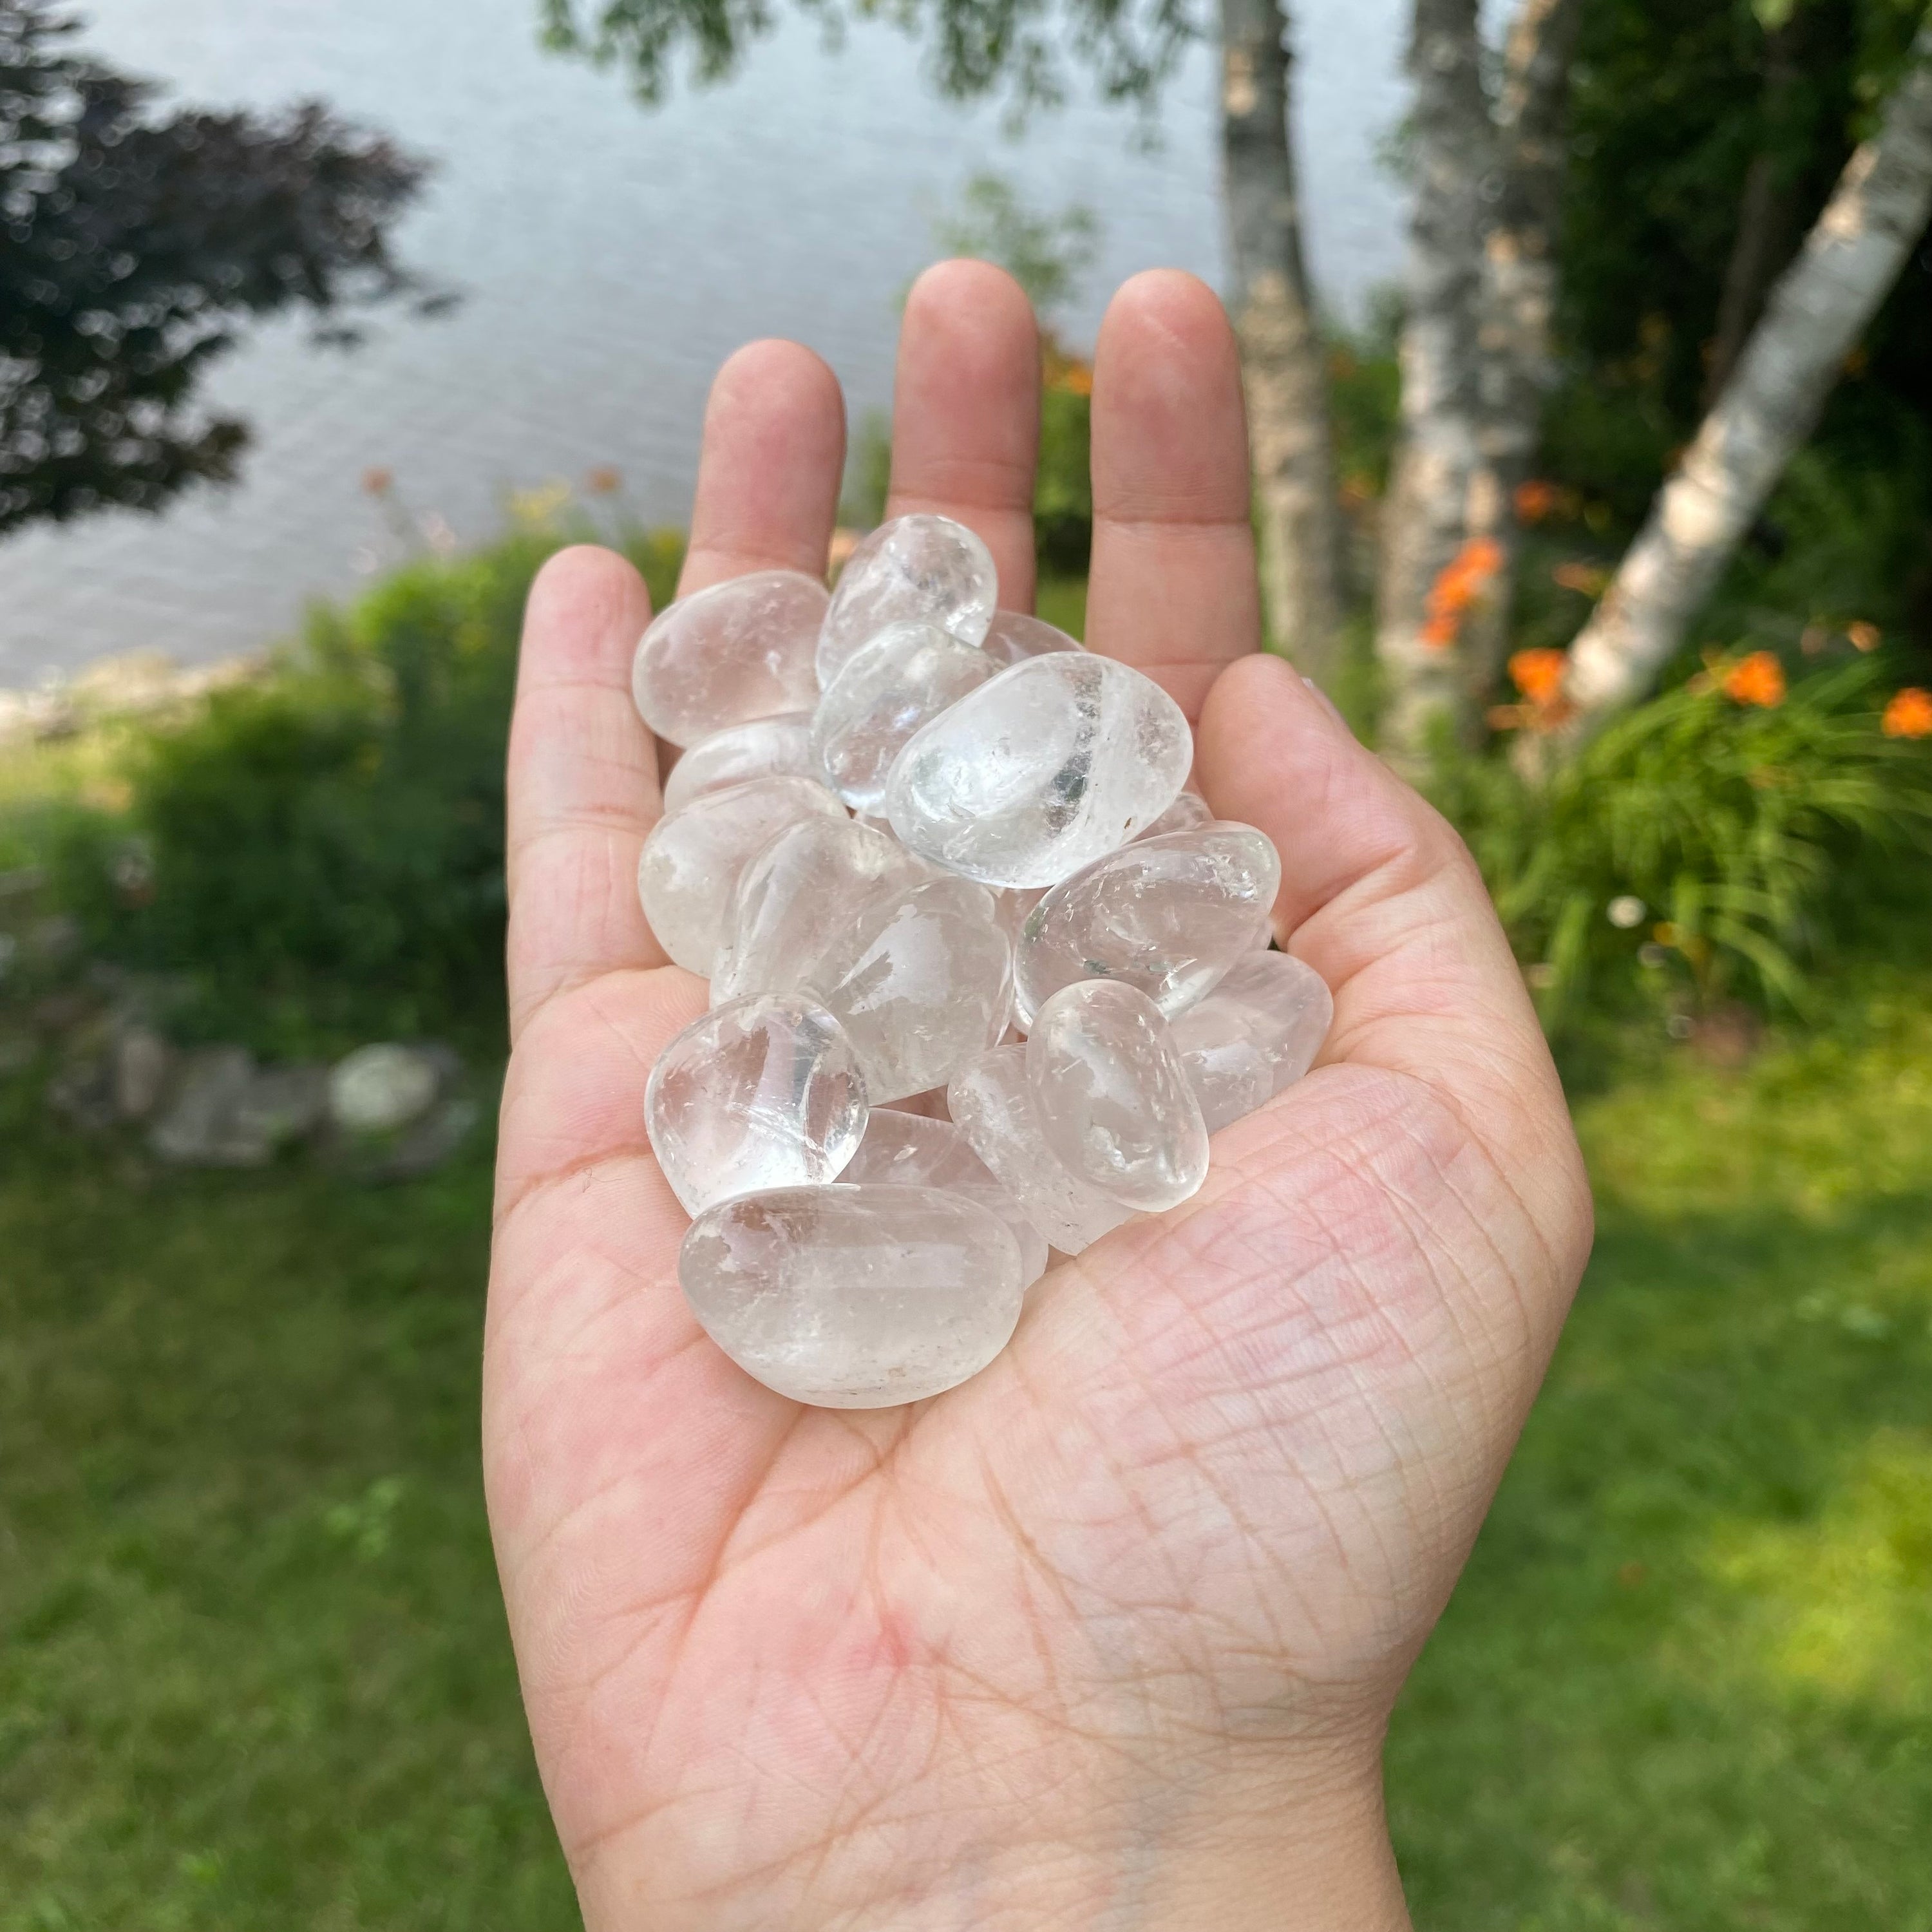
(1084, 1636)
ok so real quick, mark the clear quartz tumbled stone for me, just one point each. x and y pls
(746, 648)
(764, 1093)
(1057, 762)
(1113, 1096)
(763, 747)
(689, 872)
(854, 1297)
(924, 569)
(903, 1149)
(802, 895)
(1168, 915)
(992, 1105)
(889, 687)
(1189, 810)
(922, 983)
(1258, 1032)
(1013, 635)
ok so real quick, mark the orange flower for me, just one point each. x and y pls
(1909, 714)
(1864, 637)
(1538, 675)
(1535, 500)
(1757, 679)
(606, 480)
(378, 482)
(1462, 582)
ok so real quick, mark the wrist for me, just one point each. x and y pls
(1268, 1851)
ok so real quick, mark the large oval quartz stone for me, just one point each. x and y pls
(801, 895)
(1169, 915)
(1056, 763)
(909, 1150)
(922, 983)
(764, 748)
(745, 648)
(992, 1105)
(906, 676)
(689, 872)
(1258, 1031)
(764, 1093)
(1113, 1098)
(854, 1297)
(925, 569)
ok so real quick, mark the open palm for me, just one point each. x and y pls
(1109, 1636)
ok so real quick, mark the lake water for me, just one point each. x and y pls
(609, 258)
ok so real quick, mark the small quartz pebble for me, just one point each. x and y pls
(689, 872)
(745, 648)
(1258, 1031)
(765, 748)
(1113, 1096)
(1057, 762)
(909, 1150)
(1169, 915)
(891, 685)
(854, 1297)
(919, 569)
(1013, 635)
(992, 1104)
(764, 1093)
(923, 983)
(801, 895)
(1188, 811)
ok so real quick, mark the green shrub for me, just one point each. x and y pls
(1697, 849)
(318, 853)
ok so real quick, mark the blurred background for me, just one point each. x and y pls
(1589, 350)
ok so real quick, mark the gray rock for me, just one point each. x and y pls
(428, 1144)
(204, 1125)
(380, 1090)
(141, 1061)
(284, 1103)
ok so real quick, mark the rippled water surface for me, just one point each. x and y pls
(609, 258)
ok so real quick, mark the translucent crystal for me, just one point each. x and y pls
(1257, 1032)
(923, 983)
(765, 748)
(888, 688)
(745, 648)
(924, 569)
(1113, 1096)
(854, 1297)
(689, 868)
(801, 895)
(911, 1151)
(992, 1105)
(1058, 761)
(1168, 915)
(1190, 810)
(764, 1093)
(1013, 635)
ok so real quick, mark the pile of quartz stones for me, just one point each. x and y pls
(984, 975)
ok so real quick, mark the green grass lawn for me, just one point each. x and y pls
(254, 1672)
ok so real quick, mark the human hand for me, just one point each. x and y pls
(1108, 1636)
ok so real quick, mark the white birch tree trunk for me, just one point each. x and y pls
(1815, 315)
(1443, 486)
(1283, 368)
(1521, 281)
